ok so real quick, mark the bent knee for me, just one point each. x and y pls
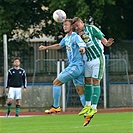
(96, 81)
(57, 82)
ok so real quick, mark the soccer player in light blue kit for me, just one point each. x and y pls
(75, 47)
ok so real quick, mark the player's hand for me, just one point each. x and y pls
(82, 50)
(110, 42)
(42, 47)
(24, 89)
(7, 90)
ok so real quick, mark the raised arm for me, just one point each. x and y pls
(54, 46)
(108, 42)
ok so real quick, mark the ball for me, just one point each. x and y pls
(59, 15)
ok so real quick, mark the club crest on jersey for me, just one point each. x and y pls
(20, 72)
(86, 38)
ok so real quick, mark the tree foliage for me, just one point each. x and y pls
(118, 20)
(114, 17)
(22, 14)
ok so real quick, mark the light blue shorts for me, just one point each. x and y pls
(73, 72)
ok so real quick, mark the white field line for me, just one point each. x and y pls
(18, 117)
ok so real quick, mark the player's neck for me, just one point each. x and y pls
(69, 33)
(16, 67)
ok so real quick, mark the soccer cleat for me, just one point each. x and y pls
(53, 110)
(90, 113)
(84, 110)
(16, 115)
(8, 114)
(87, 120)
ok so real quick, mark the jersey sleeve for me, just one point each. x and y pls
(7, 79)
(97, 33)
(62, 42)
(24, 79)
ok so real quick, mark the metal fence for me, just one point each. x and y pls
(29, 53)
(113, 76)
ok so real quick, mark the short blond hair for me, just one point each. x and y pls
(68, 20)
(76, 19)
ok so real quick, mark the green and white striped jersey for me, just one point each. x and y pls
(92, 37)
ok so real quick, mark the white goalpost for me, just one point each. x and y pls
(104, 89)
(60, 67)
(63, 92)
(5, 59)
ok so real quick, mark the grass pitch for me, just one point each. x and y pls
(101, 123)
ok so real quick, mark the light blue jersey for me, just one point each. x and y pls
(75, 69)
(73, 43)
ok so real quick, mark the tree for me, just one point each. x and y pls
(22, 15)
(112, 16)
(118, 20)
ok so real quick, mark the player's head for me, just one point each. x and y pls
(67, 25)
(16, 62)
(78, 24)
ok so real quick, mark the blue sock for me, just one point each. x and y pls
(56, 95)
(82, 99)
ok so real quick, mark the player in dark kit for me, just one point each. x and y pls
(16, 77)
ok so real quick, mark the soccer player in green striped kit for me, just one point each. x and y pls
(94, 65)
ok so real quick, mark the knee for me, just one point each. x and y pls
(9, 101)
(88, 80)
(56, 82)
(96, 81)
(17, 102)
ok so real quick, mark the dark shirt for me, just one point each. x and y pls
(16, 78)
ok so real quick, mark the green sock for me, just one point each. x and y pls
(9, 107)
(96, 94)
(88, 92)
(17, 109)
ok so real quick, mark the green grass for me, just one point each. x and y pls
(101, 123)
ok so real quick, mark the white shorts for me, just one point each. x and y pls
(95, 68)
(15, 93)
